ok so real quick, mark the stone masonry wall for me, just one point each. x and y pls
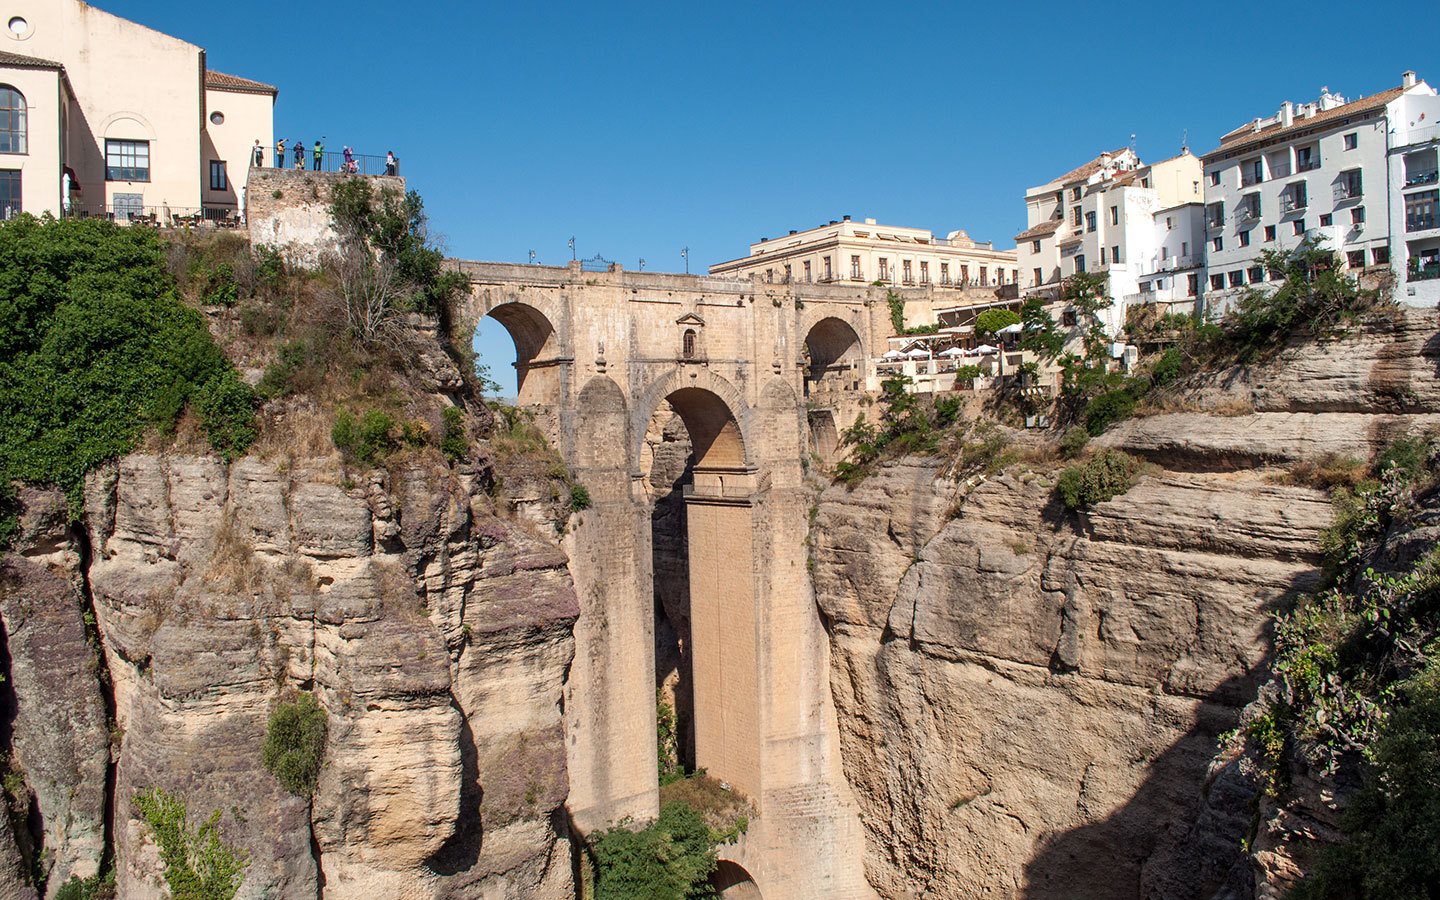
(288, 209)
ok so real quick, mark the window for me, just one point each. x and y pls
(1381, 256)
(1352, 140)
(1102, 256)
(1215, 178)
(1144, 287)
(127, 160)
(1349, 186)
(1269, 232)
(1169, 223)
(787, 273)
(1114, 215)
(217, 175)
(984, 275)
(1079, 263)
(1184, 248)
(10, 205)
(1075, 217)
(829, 273)
(1115, 254)
(1257, 274)
(1252, 171)
(1038, 278)
(1357, 215)
(1090, 221)
(13, 135)
(1215, 215)
(217, 118)
(1014, 276)
(687, 344)
(770, 275)
(1355, 259)
(1294, 197)
(1299, 226)
(1075, 194)
(1217, 282)
(1326, 219)
(1237, 278)
(964, 274)
(944, 273)
(908, 273)
(1217, 244)
(1192, 284)
(1307, 158)
(1420, 210)
(1067, 317)
(924, 272)
(884, 269)
(1244, 238)
(807, 270)
(1034, 246)
(855, 268)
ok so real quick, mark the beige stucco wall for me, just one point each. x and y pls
(131, 83)
(40, 164)
(248, 116)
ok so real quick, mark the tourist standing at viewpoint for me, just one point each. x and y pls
(319, 156)
(390, 162)
(299, 154)
(280, 153)
(258, 155)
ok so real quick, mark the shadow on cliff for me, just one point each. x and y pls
(1180, 836)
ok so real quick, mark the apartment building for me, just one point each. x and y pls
(102, 116)
(1414, 181)
(1322, 170)
(1136, 224)
(867, 252)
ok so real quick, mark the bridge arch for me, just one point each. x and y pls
(713, 412)
(732, 882)
(537, 351)
(834, 354)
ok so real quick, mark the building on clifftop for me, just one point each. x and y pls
(101, 116)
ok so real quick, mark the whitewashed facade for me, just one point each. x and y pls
(1414, 179)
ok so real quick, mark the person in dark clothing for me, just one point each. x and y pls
(391, 163)
(319, 156)
(299, 154)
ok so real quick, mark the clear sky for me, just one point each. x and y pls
(641, 128)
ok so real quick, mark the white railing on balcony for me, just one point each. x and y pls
(1344, 191)
(1168, 264)
(1290, 201)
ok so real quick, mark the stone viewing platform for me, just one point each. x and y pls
(289, 209)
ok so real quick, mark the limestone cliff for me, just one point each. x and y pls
(147, 649)
(1030, 699)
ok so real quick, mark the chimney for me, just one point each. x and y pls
(869, 221)
(1287, 114)
(845, 218)
(792, 231)
(1407, 78)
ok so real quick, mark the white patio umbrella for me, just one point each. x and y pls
(893, 354)
(952, 352)
(1010, 329)
(985, 349)
(917, 353)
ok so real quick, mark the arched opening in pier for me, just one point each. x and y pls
(517, 346)
(732, 882)
(833, 357)
(693, 460)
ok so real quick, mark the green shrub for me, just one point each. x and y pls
(1167, 368)
(992, 320)
(269, 266)
(579, 497)
(95, 346)
(1105, 475)
(219, 287)
(1406, 457)
(295, 744)
(96, 887)
(226, 406)
(672, 859)
(1108, 408)
(667, 742)
(453, 442)
(279, 378)
(198, 864)
(965, 373)
(365, 440)
(1073, 442)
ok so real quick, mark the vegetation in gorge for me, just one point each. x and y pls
(295, 744)
(1357, 676)
(96, 347)
(671, 859)
(1105, 475)
(908, 424)
(199, 865)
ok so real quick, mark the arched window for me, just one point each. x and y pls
(687, 344)
(12, 121)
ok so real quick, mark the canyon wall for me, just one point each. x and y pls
(147, 649)
(1030, 699)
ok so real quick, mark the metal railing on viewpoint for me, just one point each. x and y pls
(330, 161)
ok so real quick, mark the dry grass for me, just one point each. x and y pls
(1324, 473)
(299, 431)
(232, 560)
(720, 808)
(1233, 407)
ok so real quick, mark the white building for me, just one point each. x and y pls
(1135, 224)
(1414, 179)
(1320, 170)
(867, 252)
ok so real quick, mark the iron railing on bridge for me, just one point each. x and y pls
(330, 161)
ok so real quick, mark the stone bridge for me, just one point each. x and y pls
(762, 376)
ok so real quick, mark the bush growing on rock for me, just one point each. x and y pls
(1073, 442)
(1106, 475)
(671, 859)
(365, 440)
(295, 744)
(198, 864)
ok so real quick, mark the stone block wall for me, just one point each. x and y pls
(289, 210)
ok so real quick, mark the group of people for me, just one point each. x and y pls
(348, 165)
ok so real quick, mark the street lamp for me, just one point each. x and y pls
(685, 254)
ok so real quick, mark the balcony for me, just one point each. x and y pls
(1347, 191)
(1291, 201)
(1215, 222)
(1418, 178)
(1279, 170)
(1245, 217)
(1307, 165)
(1249, 179)
(1428, 272)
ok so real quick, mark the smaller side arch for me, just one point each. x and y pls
(537, 354)
(834, 354)
(732, 882)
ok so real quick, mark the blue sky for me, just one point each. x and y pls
(641, 128)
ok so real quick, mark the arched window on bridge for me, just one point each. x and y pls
(687, 344)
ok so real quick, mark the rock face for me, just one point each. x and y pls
(1029, 698)
(435, 635)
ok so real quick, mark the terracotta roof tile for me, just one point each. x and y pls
(1246, 136)
(16, 60)
(1042, 230)
(223, 82)
(1090, 168)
